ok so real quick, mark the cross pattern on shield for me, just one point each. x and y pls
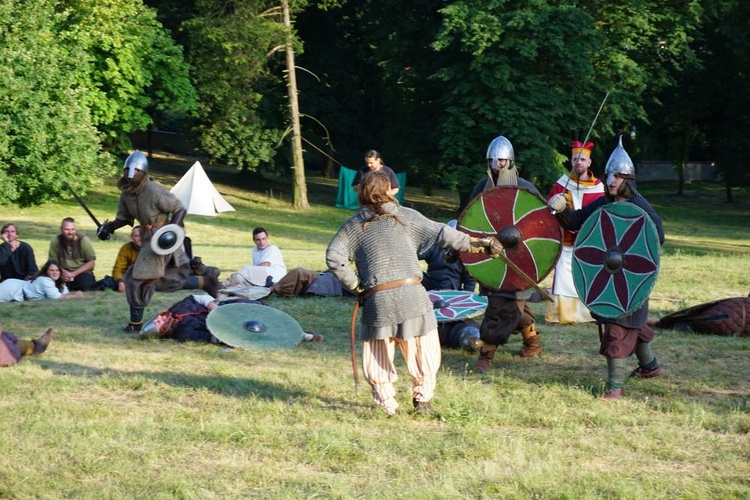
(522, 222)
(254, 327)
(616, 259)
(454, 305)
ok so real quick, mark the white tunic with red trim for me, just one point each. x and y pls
(567, 308)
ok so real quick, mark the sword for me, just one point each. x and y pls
(83, 204)
(524, 276)
(585, 140)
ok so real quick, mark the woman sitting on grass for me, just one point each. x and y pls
(47, 284)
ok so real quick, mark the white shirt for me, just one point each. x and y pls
(272, 255)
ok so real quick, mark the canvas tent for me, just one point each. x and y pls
(198, 194)
(347, 196)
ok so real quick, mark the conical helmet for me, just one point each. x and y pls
(136, 161)
(619, 163)
(500, 148)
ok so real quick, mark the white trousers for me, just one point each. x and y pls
(422, 356)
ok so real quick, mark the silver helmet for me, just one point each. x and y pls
(619, 163)
(136, 161)
(500, 148)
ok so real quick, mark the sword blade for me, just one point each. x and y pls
(526, 277)
(81, 202)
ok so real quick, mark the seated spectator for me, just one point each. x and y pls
(12, 349)
(444, 270)
(126, 258)
(186, 320)
(75, 253)
(48, 284)
(268, 264)
(17, 259)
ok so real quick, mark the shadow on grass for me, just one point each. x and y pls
(228, 386)
(673, 388)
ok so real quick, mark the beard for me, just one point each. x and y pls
(507, 177)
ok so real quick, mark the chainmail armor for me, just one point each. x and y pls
(387, 251)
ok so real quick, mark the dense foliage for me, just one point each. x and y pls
(78, 76)
(48, 134)
(429, 83)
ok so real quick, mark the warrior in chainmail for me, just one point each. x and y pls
(383, 240)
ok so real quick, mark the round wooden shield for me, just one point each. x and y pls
(254, 327)
(454, 305)
(616, 260)
(524, 225)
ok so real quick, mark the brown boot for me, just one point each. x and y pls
(211, 285)
(486, 355)
(531, 344)
(40, 344)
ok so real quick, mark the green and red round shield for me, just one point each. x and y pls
(616, 259)
(523, 223)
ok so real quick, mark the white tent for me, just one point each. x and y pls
(198, 194)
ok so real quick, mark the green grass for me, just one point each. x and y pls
(103, 415)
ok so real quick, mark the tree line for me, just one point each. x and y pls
(428, 83)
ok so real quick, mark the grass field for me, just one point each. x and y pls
(104, 415)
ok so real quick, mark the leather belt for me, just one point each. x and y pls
(149, 228)
(387, 286)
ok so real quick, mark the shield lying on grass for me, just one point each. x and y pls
(616, 260)
(254, 327)
(248, 292)
(521, 221)
(454, 305)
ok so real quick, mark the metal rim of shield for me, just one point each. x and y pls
(616, 259)
(248, 292)
(254, 327)
(523, 223)
(179, 238)
(454, 305)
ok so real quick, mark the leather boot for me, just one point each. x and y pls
(211, 285)
(531, 344)
(136, 320)
(486, 355)
(41, 343)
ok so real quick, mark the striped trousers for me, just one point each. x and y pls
(422, 355)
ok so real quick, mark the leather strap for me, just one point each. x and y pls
(387, 286)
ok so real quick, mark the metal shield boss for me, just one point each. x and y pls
(521, 221)
(454, 305)
(254, 327)
(167, 239)
(616, 260)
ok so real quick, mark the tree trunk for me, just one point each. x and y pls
(299, 199)
(328, 170)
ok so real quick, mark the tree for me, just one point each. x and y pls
(48, 134)
(723, 89)
(230, 48)
(135, 74)
(537, 71)
(299, 199)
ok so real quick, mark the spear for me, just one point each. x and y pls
(588, 134)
